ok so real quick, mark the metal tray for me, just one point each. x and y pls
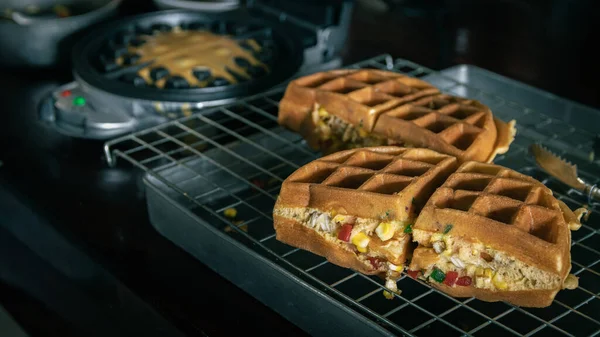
(237, 156)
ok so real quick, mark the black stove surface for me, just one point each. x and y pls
(76, 242)
(78, 254)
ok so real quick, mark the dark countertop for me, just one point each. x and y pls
(54, 184)
(80, 257)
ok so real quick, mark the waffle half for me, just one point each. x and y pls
(342, 109)
(500, 229)
(376, 191)
(489, 231)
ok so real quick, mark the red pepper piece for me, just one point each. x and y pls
(450, 279)
(413, 273)
(464, 281)
(375, 262)
(345, 232)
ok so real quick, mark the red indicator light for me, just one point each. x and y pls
(66, 93)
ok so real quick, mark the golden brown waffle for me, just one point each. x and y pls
(392, 178)
(424, 194)
(378, 184)
(393, 109)
(509, 217)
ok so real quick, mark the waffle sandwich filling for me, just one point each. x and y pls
(457, 262)
(335, 134)
(381, 245)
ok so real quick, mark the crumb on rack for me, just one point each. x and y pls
(230, 213)
(239, 224)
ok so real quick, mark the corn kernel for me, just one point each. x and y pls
(323, 112)
(436, 237)
(479, 271)
(230, 212)
(471, 269)
(362, 133)
(339, 218)
(488, 273)
(361, 241)
(394, 267)
(333, 213)
(385, 231)
(498, 281)
(388, 295)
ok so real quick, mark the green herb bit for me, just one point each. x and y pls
(408, 229)
(448, 228)
(413, 201)
(438, 275)
(360, 123)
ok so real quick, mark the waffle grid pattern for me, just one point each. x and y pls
(243, 143)
(371, 171)
(503, 196)
(458, 122)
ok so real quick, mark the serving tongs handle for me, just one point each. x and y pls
(593, 193)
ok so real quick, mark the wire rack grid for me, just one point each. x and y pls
(227, 164)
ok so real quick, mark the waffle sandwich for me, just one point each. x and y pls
(355, 207)
(480, 229)
(501, 232)
(344, 109)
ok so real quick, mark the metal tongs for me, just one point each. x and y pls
(564, 171)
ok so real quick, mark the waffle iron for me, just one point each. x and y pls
(109, 97)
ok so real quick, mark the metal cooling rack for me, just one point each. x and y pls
(237, 156)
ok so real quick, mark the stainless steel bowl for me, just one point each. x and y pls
(27, 39)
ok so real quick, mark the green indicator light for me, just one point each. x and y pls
(79, 101)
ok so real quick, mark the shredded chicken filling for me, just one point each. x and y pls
(336, 134)
(487, 268)
(379, 244)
